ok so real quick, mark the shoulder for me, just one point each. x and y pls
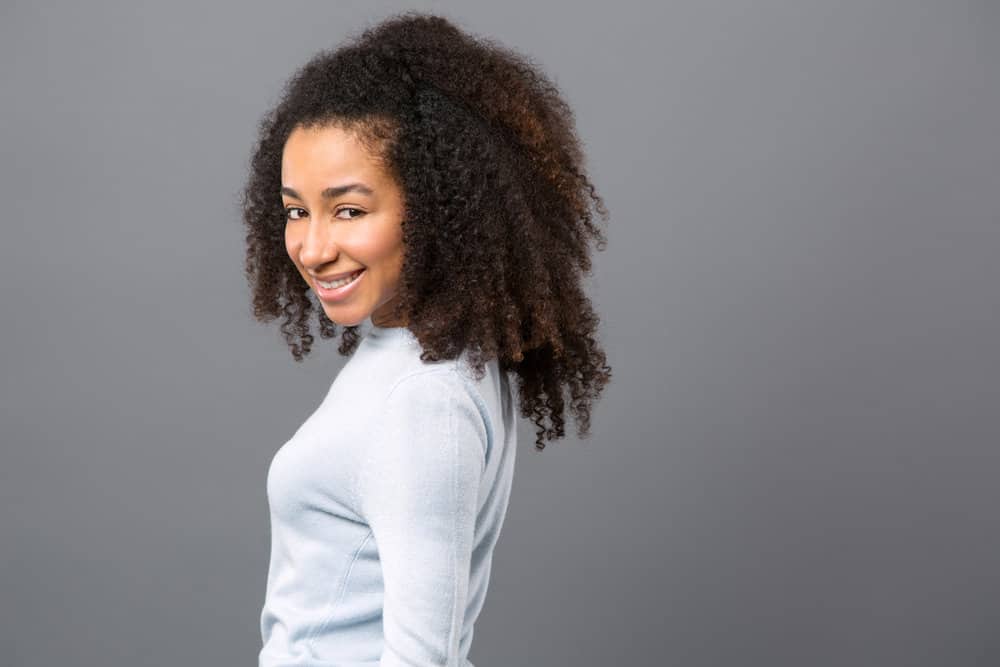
(433, 413)
(434, 396)
(429, 439)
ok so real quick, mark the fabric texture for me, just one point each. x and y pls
(385, 507)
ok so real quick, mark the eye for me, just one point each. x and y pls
(349, 208)
(358, 213)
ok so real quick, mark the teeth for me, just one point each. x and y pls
(339, 283)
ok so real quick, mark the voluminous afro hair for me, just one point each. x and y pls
(498, 205)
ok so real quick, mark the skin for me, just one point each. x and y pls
(353, 230)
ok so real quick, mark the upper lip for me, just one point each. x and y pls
(336, 276)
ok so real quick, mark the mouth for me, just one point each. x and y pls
(339, 282)
(340, 290)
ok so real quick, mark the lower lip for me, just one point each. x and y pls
(338, 293)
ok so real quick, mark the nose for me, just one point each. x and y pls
(318, 246)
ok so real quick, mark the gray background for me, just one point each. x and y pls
(796, 463)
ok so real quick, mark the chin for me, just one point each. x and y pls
(346, 321)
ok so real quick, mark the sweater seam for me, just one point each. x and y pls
(456, 537)
(322, 626)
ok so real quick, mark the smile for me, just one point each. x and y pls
(341, 289)
(340, 283)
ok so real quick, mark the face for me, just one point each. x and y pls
(343, 213)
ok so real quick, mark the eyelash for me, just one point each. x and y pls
(345, 208)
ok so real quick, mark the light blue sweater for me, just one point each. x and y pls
(385, 507)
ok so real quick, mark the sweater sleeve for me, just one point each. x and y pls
(418, 491)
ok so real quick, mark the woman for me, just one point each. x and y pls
(428, 188)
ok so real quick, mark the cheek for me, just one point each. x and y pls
(391, 247)
(376, 249)
(387, 238)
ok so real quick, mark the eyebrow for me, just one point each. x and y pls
(333, 191)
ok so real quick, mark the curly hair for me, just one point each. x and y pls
(497, 221)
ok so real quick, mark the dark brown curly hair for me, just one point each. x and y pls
(497, 221)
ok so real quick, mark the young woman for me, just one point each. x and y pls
(426, 189)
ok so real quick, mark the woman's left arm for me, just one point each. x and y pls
(418, 490)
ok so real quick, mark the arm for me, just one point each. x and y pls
(418, 490)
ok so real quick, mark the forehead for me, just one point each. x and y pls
(325, 153)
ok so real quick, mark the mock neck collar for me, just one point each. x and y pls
(372, 331)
